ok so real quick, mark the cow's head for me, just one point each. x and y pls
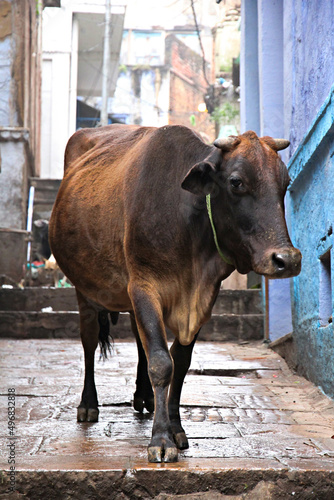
(247, 182)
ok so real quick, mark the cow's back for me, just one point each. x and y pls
(121, 209)
(87, 139)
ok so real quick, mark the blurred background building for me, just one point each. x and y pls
(165, 57)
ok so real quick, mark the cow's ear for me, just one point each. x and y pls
(200, 178)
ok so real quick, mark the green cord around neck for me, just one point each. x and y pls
(208, 206)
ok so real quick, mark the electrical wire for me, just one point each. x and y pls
(200, 42)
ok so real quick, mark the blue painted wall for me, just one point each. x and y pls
(308, 63)
(249, 68)
(309, 118)
(312, 219)
(307, 111)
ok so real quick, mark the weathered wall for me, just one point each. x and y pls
(20, 33)
(309, 117)
(271, 107)
(308, 63)
(312, 218)
(19, 107)
(7, 112)
(13, 177)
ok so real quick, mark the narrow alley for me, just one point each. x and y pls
(255, 429)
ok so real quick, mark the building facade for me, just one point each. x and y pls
(20, 79)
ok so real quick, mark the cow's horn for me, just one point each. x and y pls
(281, 144)
(226, 143)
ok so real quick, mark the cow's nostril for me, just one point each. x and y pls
(278, 261)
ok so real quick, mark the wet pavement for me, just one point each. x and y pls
(255, 429)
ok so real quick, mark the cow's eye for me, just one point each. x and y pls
(236, 182)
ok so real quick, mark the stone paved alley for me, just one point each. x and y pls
(256, 430)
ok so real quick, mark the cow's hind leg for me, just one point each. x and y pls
(143, 397)
(89, 332)
(152, 332)
(182, 358)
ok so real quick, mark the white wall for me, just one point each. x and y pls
(55, 129)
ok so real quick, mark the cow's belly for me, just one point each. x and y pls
(97, 271)
(109, 298)
(107, 286)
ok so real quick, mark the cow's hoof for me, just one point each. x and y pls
(158, 454)
(179, 435)
(90, 415)
(93, 415)
(149, 404)
(139, 403)
(181, 440)
(162, 449)
(81, 414)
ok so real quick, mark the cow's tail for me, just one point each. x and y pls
(105, 338)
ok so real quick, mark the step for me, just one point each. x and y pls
(22, 315)
(45, 190)
(233, 327)
(64, 299)
(55, 324)
(65, 324)
(37, 298)
(44, 197)
(238, 302)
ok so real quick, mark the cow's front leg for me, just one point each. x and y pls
(89, 332)
(148, 313)
(182, 359)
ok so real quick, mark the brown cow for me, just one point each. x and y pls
(131, 230)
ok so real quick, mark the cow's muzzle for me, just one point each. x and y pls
(280, 263)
